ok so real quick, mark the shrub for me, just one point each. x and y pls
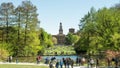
(3, 54)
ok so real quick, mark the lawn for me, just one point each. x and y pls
(20, 66)
(60, 49)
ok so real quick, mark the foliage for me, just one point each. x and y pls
(19, 31)
(7, 17)
(3, 53)
(99, 31)
(71, 39)
(34, 45)
(112, 54)
(54, 40)
(45, 40)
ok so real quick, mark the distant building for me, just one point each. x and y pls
(72, 30)
(60, 37)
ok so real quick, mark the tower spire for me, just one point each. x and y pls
(60, 29)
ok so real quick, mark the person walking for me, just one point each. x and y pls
(91, 62)
(77, 61)
(64, 62)
(72, 63)
(38, 59)
(68, 62)
(51, 64)
(10, 59)
(61, 64)
(57, 64)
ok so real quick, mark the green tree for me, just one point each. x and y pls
(29, 15)
(99, 31)
(7, 16)
(54, 40)
(45, 40)
(87, 30)
(29, 19)
(71, 39)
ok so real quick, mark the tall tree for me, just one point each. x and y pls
(18, 26)
(87, 30)
(7, 16)
(29, 18)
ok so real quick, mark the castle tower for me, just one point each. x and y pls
(71, 30)
(60, 29)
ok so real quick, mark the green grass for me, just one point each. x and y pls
(68, 50)
(20, 66)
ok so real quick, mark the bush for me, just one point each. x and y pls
(3, 54)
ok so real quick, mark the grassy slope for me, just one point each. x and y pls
(68, 50)
(20, 66)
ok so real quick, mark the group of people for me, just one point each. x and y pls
(9, 59)
(66, 62)
(81, 61)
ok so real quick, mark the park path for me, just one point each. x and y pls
(36, 64)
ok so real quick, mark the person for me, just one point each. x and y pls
(77, 60)
(116, 61)
(57, 64)
(72, 63)
(47, 60)
(83, 61)
(64, 62)
(108, 62)
(68, 62)
(38, 59)
(10, 59)
(53, 58)
(51, 65)
(91, 62)
(97, 62)
(61, 64)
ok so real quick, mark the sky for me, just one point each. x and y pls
(68, 12)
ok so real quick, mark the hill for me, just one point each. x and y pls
(60, 50)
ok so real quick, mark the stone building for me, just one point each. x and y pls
(72, 30)
(60, 37)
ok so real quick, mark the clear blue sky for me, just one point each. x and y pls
(69, 12)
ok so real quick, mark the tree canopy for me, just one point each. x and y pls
(20, 33)
(100, 31)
